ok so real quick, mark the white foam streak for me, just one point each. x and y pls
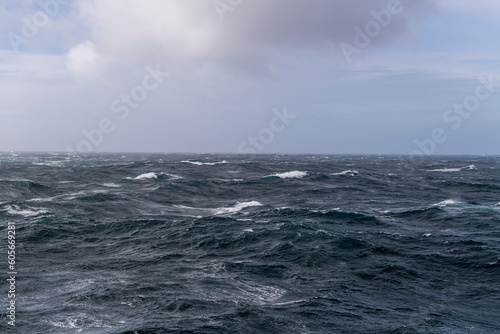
(199, 163)
(111, 185)
(15, 210)
(236, 208)
(347, 172)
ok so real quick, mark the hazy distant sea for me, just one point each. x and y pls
(178, 243)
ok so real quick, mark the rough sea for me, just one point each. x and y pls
(192, 243)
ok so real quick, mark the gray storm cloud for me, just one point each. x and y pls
(182, 31)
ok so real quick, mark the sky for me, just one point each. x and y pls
(250, 76)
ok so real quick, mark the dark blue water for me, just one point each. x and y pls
(131, 243)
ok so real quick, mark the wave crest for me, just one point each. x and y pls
(199, 163)
(237, 207)
(153, 175)
(347, 172)
(447, 170)
(296, 174)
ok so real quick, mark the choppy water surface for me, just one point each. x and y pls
(130, 243)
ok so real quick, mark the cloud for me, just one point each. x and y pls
(85, 63)
(180, 32)
(68, 75)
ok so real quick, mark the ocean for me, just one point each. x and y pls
(214, 243)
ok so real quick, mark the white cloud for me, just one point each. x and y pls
(85, 63)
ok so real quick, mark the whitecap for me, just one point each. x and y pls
(153, 175)
(447, 202)
(290, 175)
(236, 208)
(111, 185)
(195, 212)
(447, 170)
(259, 294)
(146, 176)
(347, 172)
(15, 210)
(199, 163)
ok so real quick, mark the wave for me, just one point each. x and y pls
(70, 196)
(296, 174)
(153, 175)
(445, 170)
(237, 207)
(31, 212)
(59, 163)
(331, 214)
(201, 212)
(111, 185)
(24, 183)
(448, 202)
(436, 210)
(146, 176)
(467, 206)
(347, 172)
(199, 163)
